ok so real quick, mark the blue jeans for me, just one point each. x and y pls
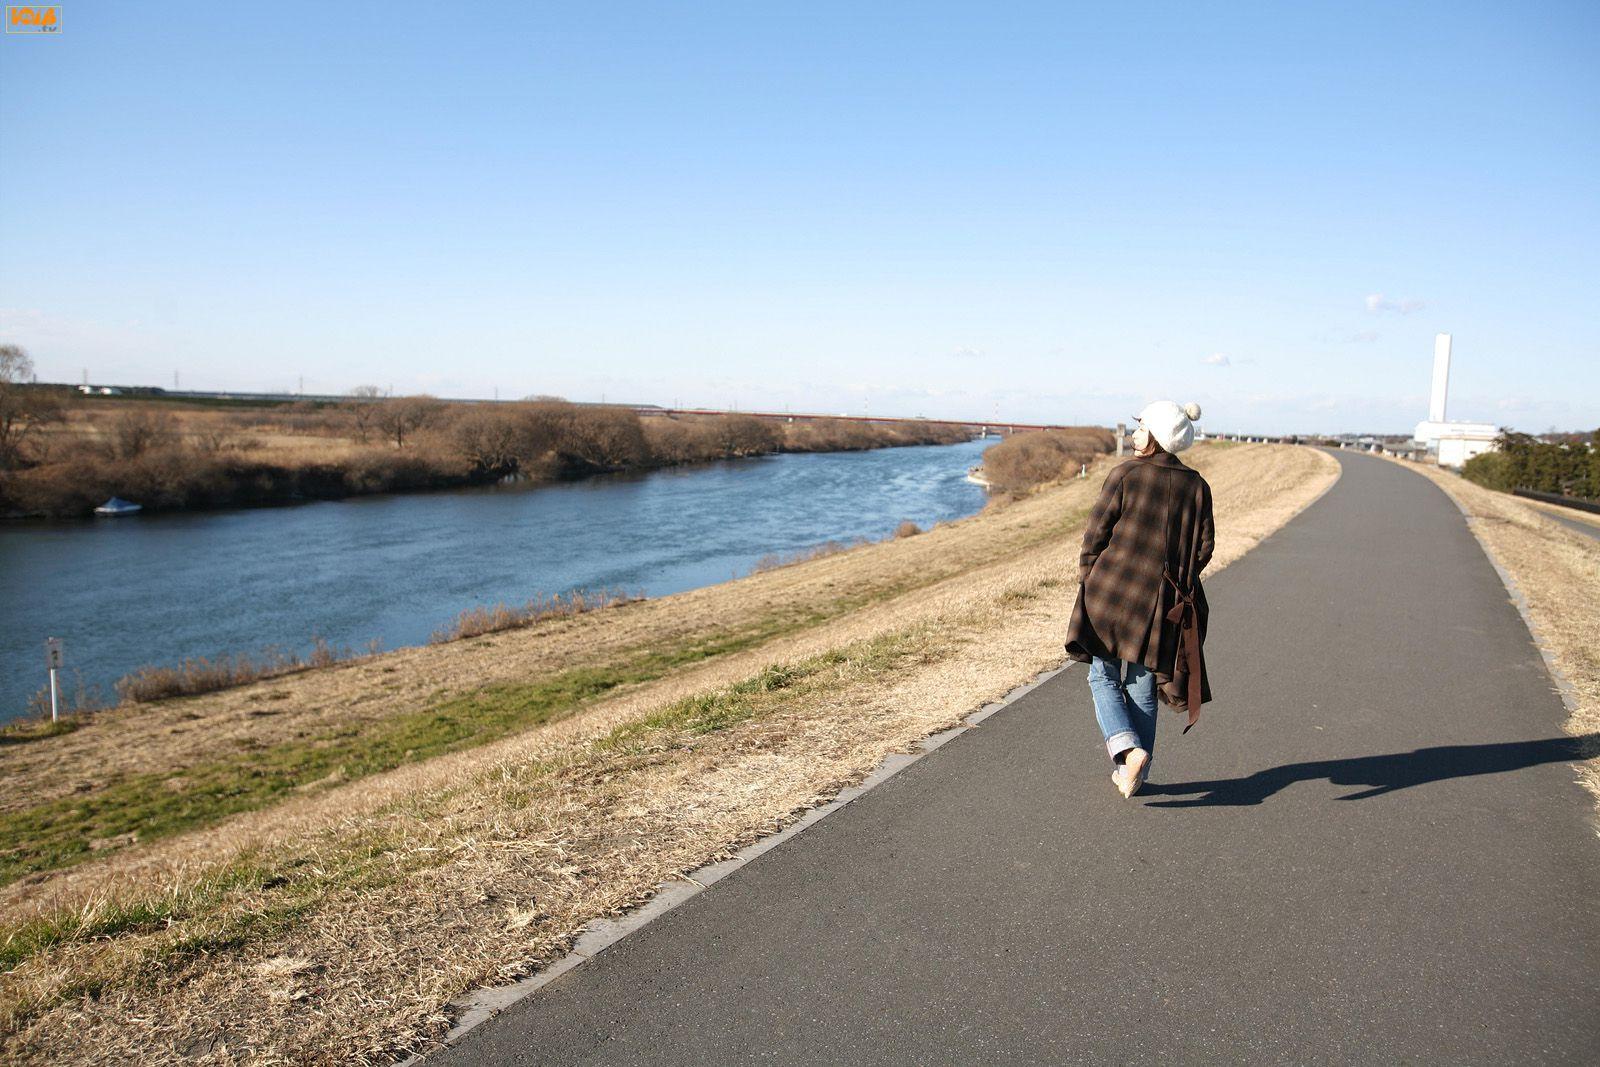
(1124, 705)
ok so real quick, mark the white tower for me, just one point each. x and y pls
(1441, 377)
(1452, 442)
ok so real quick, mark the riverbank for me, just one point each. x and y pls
(440, 817)
(171, 456)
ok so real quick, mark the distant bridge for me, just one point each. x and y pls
(984, 428)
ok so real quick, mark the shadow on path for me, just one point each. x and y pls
(1380, 774)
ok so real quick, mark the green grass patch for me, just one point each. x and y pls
(70, 829)
(114, 917)
(66, 830)
(721, 709)
(25, 730)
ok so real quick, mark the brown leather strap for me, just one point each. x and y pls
(1183, 613)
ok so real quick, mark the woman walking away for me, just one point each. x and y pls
(1140, 619)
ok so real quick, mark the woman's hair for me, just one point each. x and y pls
(1151, 445)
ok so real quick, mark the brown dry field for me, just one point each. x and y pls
(259, 433)
(1557, 571)
(373, 903)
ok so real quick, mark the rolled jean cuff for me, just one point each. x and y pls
(1121, 741)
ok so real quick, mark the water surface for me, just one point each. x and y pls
(154, 589)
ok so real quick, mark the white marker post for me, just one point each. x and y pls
(53, 657)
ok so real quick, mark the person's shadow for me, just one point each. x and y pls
(1379, 774)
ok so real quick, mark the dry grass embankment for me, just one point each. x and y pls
(335, 923)
(493, 618)
(1558, 571)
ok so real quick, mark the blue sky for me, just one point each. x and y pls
(1052, 212)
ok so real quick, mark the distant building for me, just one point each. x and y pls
(1453, 442)
(1457, 447)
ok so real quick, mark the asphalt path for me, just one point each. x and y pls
(1588, 529)
(1372, 849)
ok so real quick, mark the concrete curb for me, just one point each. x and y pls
(485, 1003)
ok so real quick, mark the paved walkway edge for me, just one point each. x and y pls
(1569, 695)
(483, 1004)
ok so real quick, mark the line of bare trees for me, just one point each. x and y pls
(548, 435)
(170, 456)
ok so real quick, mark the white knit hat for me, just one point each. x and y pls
(1170, 425)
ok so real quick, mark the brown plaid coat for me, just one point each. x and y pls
(1149, 537)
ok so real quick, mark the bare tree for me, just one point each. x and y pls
(23, 407)
(672, 441)
(491, 439)
(216, 437)
(605, 438)
(405, 415)
(745, 435)
(548, 425)
(363, 408)
(137, 431)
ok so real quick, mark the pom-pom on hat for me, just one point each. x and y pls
(1170, 425)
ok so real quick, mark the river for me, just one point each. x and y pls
(155, 589)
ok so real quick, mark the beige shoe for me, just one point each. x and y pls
(1136, 767)
(1133, 769)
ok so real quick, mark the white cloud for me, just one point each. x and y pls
(1377, 303)
(967, 353)
(1365, 337)
(1216, 359)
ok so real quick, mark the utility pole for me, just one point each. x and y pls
(174, 381)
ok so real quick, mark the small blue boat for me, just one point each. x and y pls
(118, 506)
